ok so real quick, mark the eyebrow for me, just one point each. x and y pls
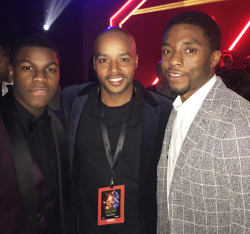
(121, 54)
(28, 61)
(192, 42)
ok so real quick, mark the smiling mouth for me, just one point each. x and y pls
(39, 92)
(116, 79)
(175, 76)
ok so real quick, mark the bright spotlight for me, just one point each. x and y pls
(52, 9)
(46, 27)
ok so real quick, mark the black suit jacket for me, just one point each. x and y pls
(20, 176)
(156, 111)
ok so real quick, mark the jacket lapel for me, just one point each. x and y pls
(76, 114)
(200, 126)
(64, 182)
(23, 163)
(148, 137)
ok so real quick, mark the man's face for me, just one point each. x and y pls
(115, 62)
(4, 65)
(36, 78)
(187, 60)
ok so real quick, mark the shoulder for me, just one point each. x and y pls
(155, 100)
(227, 105)
(162, 101)
(77, 90)
(151, 88)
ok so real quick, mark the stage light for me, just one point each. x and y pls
(46, 27)
(155, 81)
(239, 36)
(52, 9)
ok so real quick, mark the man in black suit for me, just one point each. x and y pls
(115, 131)
(35, 191)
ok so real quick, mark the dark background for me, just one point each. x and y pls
(75, 28)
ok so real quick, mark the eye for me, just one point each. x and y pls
(124, 60)
(27, 68)
(50, 69)
(166, 51)
(191, 50)
(102, 60)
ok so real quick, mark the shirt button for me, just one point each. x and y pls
(38, 134)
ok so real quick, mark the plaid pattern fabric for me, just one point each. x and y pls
(210, 191)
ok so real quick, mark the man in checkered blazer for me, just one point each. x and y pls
(204, 169)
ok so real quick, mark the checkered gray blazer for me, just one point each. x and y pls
(210, 190)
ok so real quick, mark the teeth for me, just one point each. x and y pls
(40, 91)
(175, 75)
(116, 79)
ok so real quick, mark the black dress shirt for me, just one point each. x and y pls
(40, 140)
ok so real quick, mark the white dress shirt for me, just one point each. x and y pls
(186, 113)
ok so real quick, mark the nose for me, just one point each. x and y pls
(114, 66)
(40, 75)
(176, 59)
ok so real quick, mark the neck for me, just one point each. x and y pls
(38, 113)
(117, 99)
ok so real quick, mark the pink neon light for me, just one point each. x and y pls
(155, 81)
(128, 16)
(240, 35)
(111, 19)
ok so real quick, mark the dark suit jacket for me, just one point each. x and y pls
(17, 191)
(156, 112)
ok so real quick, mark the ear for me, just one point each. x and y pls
(215, 58)
(94, 63)
(11, 73)
(136, 61)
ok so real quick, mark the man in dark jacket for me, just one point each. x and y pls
(115, 133)
(35, 191)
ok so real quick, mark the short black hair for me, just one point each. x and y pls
(202, 20)
(31, 40)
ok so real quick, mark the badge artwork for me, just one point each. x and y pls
(111, 205)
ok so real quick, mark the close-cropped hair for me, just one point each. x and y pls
(115, 29)
(205, 22)
(32, 40)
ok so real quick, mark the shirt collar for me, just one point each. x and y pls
(25, 116)
(197, 98)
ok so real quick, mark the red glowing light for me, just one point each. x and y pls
(155, 81)
(128, 16)
(118, 12)
(240, 35)
(111, 21)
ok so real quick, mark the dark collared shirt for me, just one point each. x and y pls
(41, 144)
